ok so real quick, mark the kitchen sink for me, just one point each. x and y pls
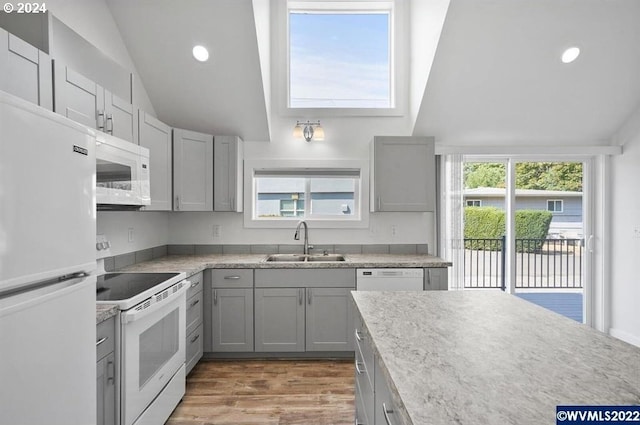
(328, 257)
(286, 258)
(301, 258)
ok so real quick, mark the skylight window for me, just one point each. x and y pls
(340, 58)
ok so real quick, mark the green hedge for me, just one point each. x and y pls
(489, 223)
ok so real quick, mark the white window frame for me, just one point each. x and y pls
(398, 57)
(361, 195)
(466, 202)
(554, 211)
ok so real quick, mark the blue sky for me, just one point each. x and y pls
(339, 60)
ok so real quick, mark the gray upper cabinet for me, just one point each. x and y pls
(25, 71)
(403, 174)
(279, 319)
(228, 173)
(192, 171)
(156, 136)
(329, 324)
(83, 100)
(121, 118)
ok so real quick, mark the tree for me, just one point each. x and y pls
(481, 174)
(529, 175)
(549, 176)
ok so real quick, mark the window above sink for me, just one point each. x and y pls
(327, 194)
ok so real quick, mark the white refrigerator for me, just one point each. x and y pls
(47, 267)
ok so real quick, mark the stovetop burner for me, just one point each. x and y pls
(124, 286)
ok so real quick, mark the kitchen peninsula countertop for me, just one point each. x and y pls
(192, 264)
(474, 357)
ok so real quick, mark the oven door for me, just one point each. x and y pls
(153, 349)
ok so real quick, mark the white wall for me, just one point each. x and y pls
(625, 229)
(92, 20)
(150, 229)
(344, 139)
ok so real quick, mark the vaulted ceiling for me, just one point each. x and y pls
(496, 76)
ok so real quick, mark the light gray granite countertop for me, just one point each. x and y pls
(475, 357)
(192, 264)
(105, 311)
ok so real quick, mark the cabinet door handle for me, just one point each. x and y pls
(233, 203)
(215, 297)
(101, 340)
(195, 338)
(429, 277)
(379, 203)
(358, 370)
(100, 120)
(387, 412)
(358, 336)
(194, 303)
(300, 296)
(109, 124)
(196, 283)
(177, 203)
(309, 296)
(110, 372)
(232, 277)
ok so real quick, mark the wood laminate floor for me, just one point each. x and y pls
(257, 392)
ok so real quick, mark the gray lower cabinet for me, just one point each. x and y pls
(303, 310)
(436, 279)
(106, 373)
(329, 319)
(194, 333)
(374, 404)
(280, 319)
(231, 317)
(385, 410)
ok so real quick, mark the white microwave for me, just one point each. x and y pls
(122, 174)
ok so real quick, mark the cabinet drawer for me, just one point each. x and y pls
(194, 312)
(232, 278)
(364, 391)
(196, 284)
(105, 337)
(364, 349)
(194, 348)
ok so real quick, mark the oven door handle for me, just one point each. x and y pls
(133, 315)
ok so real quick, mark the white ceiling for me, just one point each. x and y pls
(496, 77)
(223, 96)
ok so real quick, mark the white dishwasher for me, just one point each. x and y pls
(389, 279)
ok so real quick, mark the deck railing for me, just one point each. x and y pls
(540, 263)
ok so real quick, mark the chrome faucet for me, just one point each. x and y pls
(306, 247)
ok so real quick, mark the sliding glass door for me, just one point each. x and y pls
(524, 229)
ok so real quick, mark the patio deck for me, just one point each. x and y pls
(565, 303)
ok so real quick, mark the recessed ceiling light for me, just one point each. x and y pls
(570, 54)
(200, 53)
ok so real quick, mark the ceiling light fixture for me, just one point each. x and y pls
(308, 130)
(200, 53)
(570, 54)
